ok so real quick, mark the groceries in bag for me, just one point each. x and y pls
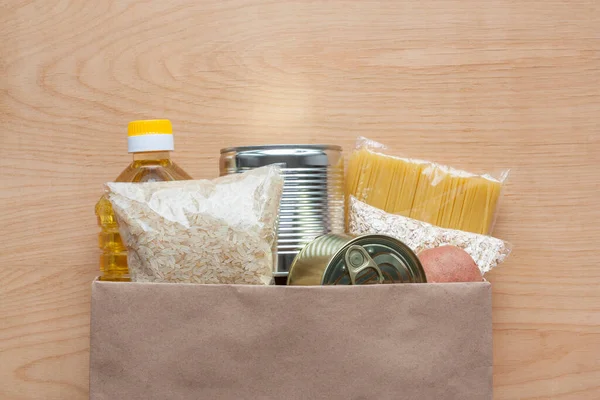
(423, 190)
(219, 231)
(487, 251)
(151, 142)
(449, 264)
(336, 259)
(312, 203)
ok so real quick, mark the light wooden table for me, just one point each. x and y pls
(480, 85)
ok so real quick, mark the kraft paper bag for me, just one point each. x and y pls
(185, 341)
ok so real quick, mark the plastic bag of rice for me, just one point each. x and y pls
(203, 231)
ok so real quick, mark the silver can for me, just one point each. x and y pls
(312, 203)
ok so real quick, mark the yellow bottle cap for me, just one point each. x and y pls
(150, 127)
(150, 135)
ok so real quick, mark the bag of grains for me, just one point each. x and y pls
(202, 231)
(487, 251)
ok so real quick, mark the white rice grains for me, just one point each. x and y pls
(219, 231)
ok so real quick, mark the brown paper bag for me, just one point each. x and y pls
(180, 341)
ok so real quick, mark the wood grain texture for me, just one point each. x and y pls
(480, 85)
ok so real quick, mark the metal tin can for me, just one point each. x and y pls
(341, 259)
(312, 202)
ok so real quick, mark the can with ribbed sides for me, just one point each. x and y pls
(341, 259)
(312, 203)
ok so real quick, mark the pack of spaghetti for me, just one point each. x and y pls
(423, 190)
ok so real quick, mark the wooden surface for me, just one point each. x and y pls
(481, 85)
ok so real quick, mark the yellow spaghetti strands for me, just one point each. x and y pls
(423, 190)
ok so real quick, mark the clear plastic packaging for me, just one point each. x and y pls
(487, 251)
(203, 231)
(423, 190)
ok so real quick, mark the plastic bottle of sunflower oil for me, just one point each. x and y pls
(150, 142)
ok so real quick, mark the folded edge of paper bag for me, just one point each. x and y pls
(185, 341)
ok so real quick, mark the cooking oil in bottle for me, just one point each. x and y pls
(151, 142)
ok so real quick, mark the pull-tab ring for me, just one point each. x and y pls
(357, 260)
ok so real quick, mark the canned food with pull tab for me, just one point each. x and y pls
(341, 259)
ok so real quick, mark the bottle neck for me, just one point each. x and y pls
(152, 156)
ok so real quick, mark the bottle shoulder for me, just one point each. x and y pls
(152, 171)
(144, 171)
(180, 173)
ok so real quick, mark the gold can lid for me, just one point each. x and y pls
(373, 259)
